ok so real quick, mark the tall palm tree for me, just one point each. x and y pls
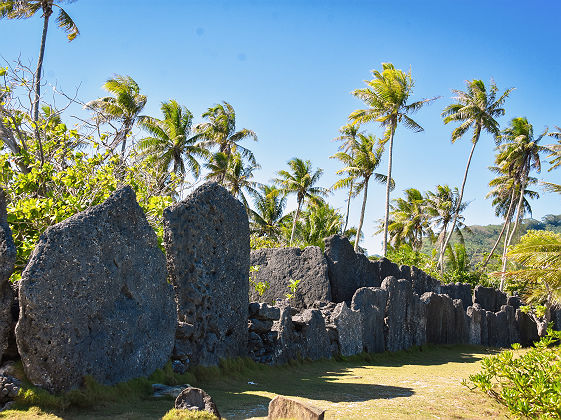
(23, 9)
(301, 180)
(519, 155)
(478, 109)
(233, 174)
(386, 96)
(441, 206)
(319, 221)
(348, 136)
(170, 143)
(124, 106)
(360, 162)
(267, 218)
(220, 130)
(409, 221)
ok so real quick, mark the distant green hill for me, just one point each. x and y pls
(482, 238)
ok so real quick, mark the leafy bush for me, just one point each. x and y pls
(175, 414)
(529, 384)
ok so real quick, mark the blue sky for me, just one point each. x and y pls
(288, 68)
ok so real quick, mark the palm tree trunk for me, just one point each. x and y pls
(348, 208)
(47, 11)
(294, 221)
(387, 213)
(503, 278)
(361, 214)
(507, 218)
(441, 258)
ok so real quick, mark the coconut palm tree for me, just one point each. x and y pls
(478, 109)
(268, 217)
(348, 136)
(441, 206)
(409, 221)
(233, 174)
(301, 180)
(23, 9)
(124, 106)
(318, 221)
(360, 162)
(170, 144)
(220, 130)
(386, 96)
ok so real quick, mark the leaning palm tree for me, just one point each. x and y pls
(386, 96)
(23, 9)
(233, 174)
(360, 163)
(220, 130)
(170, 144)
(441, 206)
(268, 217)
(300, 180)
(519, 155)
(476, 108)
(124, 106)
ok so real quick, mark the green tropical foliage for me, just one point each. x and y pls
(268, 217)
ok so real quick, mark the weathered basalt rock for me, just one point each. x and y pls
(460, 291)
(423, 283)
(474, 318)
(195, 399)
(7, 261)
(94, 299)
(284, 346)
(348, 270)
(489, 298)
(277, 266)
(371, 303)
(206, 237)
(282, 407)
(441, 318)
(311, 335)
(348, 324)
(527, 328)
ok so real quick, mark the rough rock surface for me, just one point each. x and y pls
(489, 298)
(7, 261)
(348, 270)
(9, 388)
(556, 319)
(311, 335)
(460, 291)
(423, 283)
(278, 266)
(282, 407)
(206, 237)
(441, 318)
(527, 328)
(405, 316)
(371, 303)
(195, 399)
(284, 349)
(474, 315)
(94, 299)
(348, 325)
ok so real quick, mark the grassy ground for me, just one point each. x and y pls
(413, 384)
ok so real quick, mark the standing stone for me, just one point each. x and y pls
(514, 301)
(461, 333)
(556, 319)
(7, 261)
(502, 328)
(312, 339)
(527, 328)
(277, 266)
(195, 399)
(348, 324)
(493, 339)
(489, 298)
(512, 326)
(348, 270)
(423, 283)
(460, 291)
(441, 318)
(474, 315)
(484, 325)
(94, 299)
(417, 320)
(206, 237)
(284, 346)
(371, 303)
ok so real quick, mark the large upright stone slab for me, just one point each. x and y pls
(474, 315)
(348, 270)
(527, 328)
(489, 298)
(348, 325)
(441, 318)
(206, 237)
(423, 283)
(460, 291)
(405, 315)
(94, 299)
(277, 266)
(310, 336)
(7, 261)
(371, 303)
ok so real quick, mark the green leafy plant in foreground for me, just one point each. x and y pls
(528, 384)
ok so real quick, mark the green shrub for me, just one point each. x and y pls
(529, 384)
(175, 414)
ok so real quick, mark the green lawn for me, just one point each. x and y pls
(415, 384)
